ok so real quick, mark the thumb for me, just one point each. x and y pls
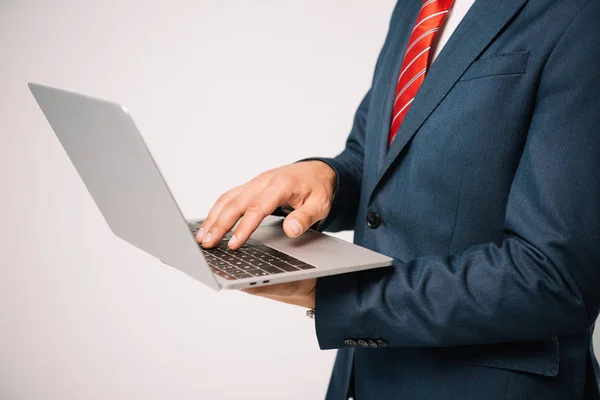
(298, 221)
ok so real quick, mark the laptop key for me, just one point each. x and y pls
(219, 253)
(294, 261)
(240, 274)
(223, 247)
(252, 261)
(255, 272)
(286, 258)
(223, 274)
(263, 248)
(277, 253)
(238, 263)
(305, 266)
(260, 264)
(248, 267)
(258, 273)
(285, 266)
(243, 265)
(271, 269)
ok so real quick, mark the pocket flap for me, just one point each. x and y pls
(539, 357)
(502, 64)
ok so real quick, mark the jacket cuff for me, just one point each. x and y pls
(335, 301)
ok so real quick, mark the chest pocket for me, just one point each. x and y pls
(498, 65)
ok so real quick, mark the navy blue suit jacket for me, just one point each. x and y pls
(489, 200)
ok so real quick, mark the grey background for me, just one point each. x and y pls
(86, 316)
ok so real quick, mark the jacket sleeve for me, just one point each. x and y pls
(543, 278)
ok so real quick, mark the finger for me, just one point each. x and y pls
(289, 293)
(215, 211)
(233, 211)
(246, 191)
(229, 216)
(262, 207)
(314, 209)
(276, 292)
(257, 291)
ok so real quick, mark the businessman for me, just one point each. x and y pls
(474, 161)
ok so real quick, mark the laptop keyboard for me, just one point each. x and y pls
(251, 260)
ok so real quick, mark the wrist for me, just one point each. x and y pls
(328, 173)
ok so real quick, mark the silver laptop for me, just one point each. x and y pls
(114, 163)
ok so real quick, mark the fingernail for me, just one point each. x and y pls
(207, 238)
(295, 227)
(232, 240)
(200, 234)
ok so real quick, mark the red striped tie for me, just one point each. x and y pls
(416, 59)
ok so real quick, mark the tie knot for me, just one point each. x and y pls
(432, 6)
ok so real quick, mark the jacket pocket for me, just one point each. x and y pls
(540, 357)
(497, 65)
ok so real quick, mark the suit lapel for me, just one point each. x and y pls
(383, 92)
(483, 22)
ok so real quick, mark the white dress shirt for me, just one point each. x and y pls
(457, 12)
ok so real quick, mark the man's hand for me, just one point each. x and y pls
(300, 293)
(306, 186)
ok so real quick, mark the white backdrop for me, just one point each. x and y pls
(221, 91)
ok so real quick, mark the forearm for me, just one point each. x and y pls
(488, 294)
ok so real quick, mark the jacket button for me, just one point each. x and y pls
(373, 344)
(373, 220)
(350, 343)
(381, 343)
(363, 343)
